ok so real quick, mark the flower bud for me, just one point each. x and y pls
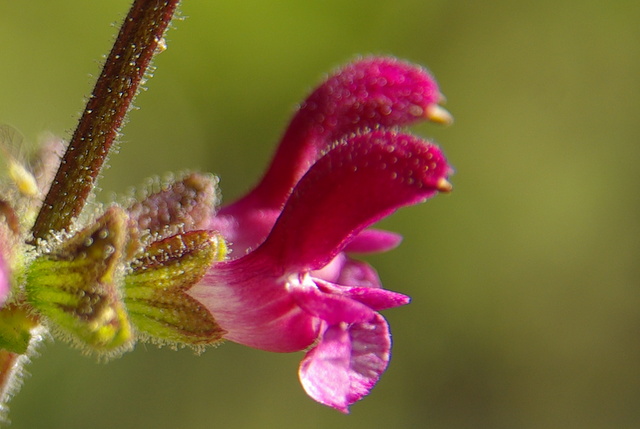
(184, 205)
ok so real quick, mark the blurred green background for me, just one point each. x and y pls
(525, 280)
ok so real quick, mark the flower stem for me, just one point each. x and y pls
(21, 334)
(124, 70)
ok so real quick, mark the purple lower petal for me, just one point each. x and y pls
(324, 371)
(346, 363)
(370, 354)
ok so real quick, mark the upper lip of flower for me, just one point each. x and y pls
(367, 94)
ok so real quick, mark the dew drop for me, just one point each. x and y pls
(416, 110)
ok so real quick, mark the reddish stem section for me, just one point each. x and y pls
(7, 363)
(102, 118)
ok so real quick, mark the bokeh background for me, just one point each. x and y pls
(525, 280)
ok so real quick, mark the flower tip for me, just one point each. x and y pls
(438, 114)
(444, 185)
(343, 410)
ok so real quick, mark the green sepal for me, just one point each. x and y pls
(16, 324)
(76, 285)
(155, 289)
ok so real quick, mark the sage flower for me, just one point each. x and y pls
(277, 296)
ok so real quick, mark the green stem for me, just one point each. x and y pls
(104, 113)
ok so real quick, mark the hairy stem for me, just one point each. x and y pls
(104, 113)
(20, 335)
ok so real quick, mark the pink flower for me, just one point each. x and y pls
(298, 291)
(291, 285)
(367, 94)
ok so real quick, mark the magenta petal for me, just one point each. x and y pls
(377, 299)
(355, 184)
(370, 354)
(250, 302)
(244, 227)
(324, 371)
(373, 241)
(347, 363)
(366, 94)
(332, 308)
(358, 273)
